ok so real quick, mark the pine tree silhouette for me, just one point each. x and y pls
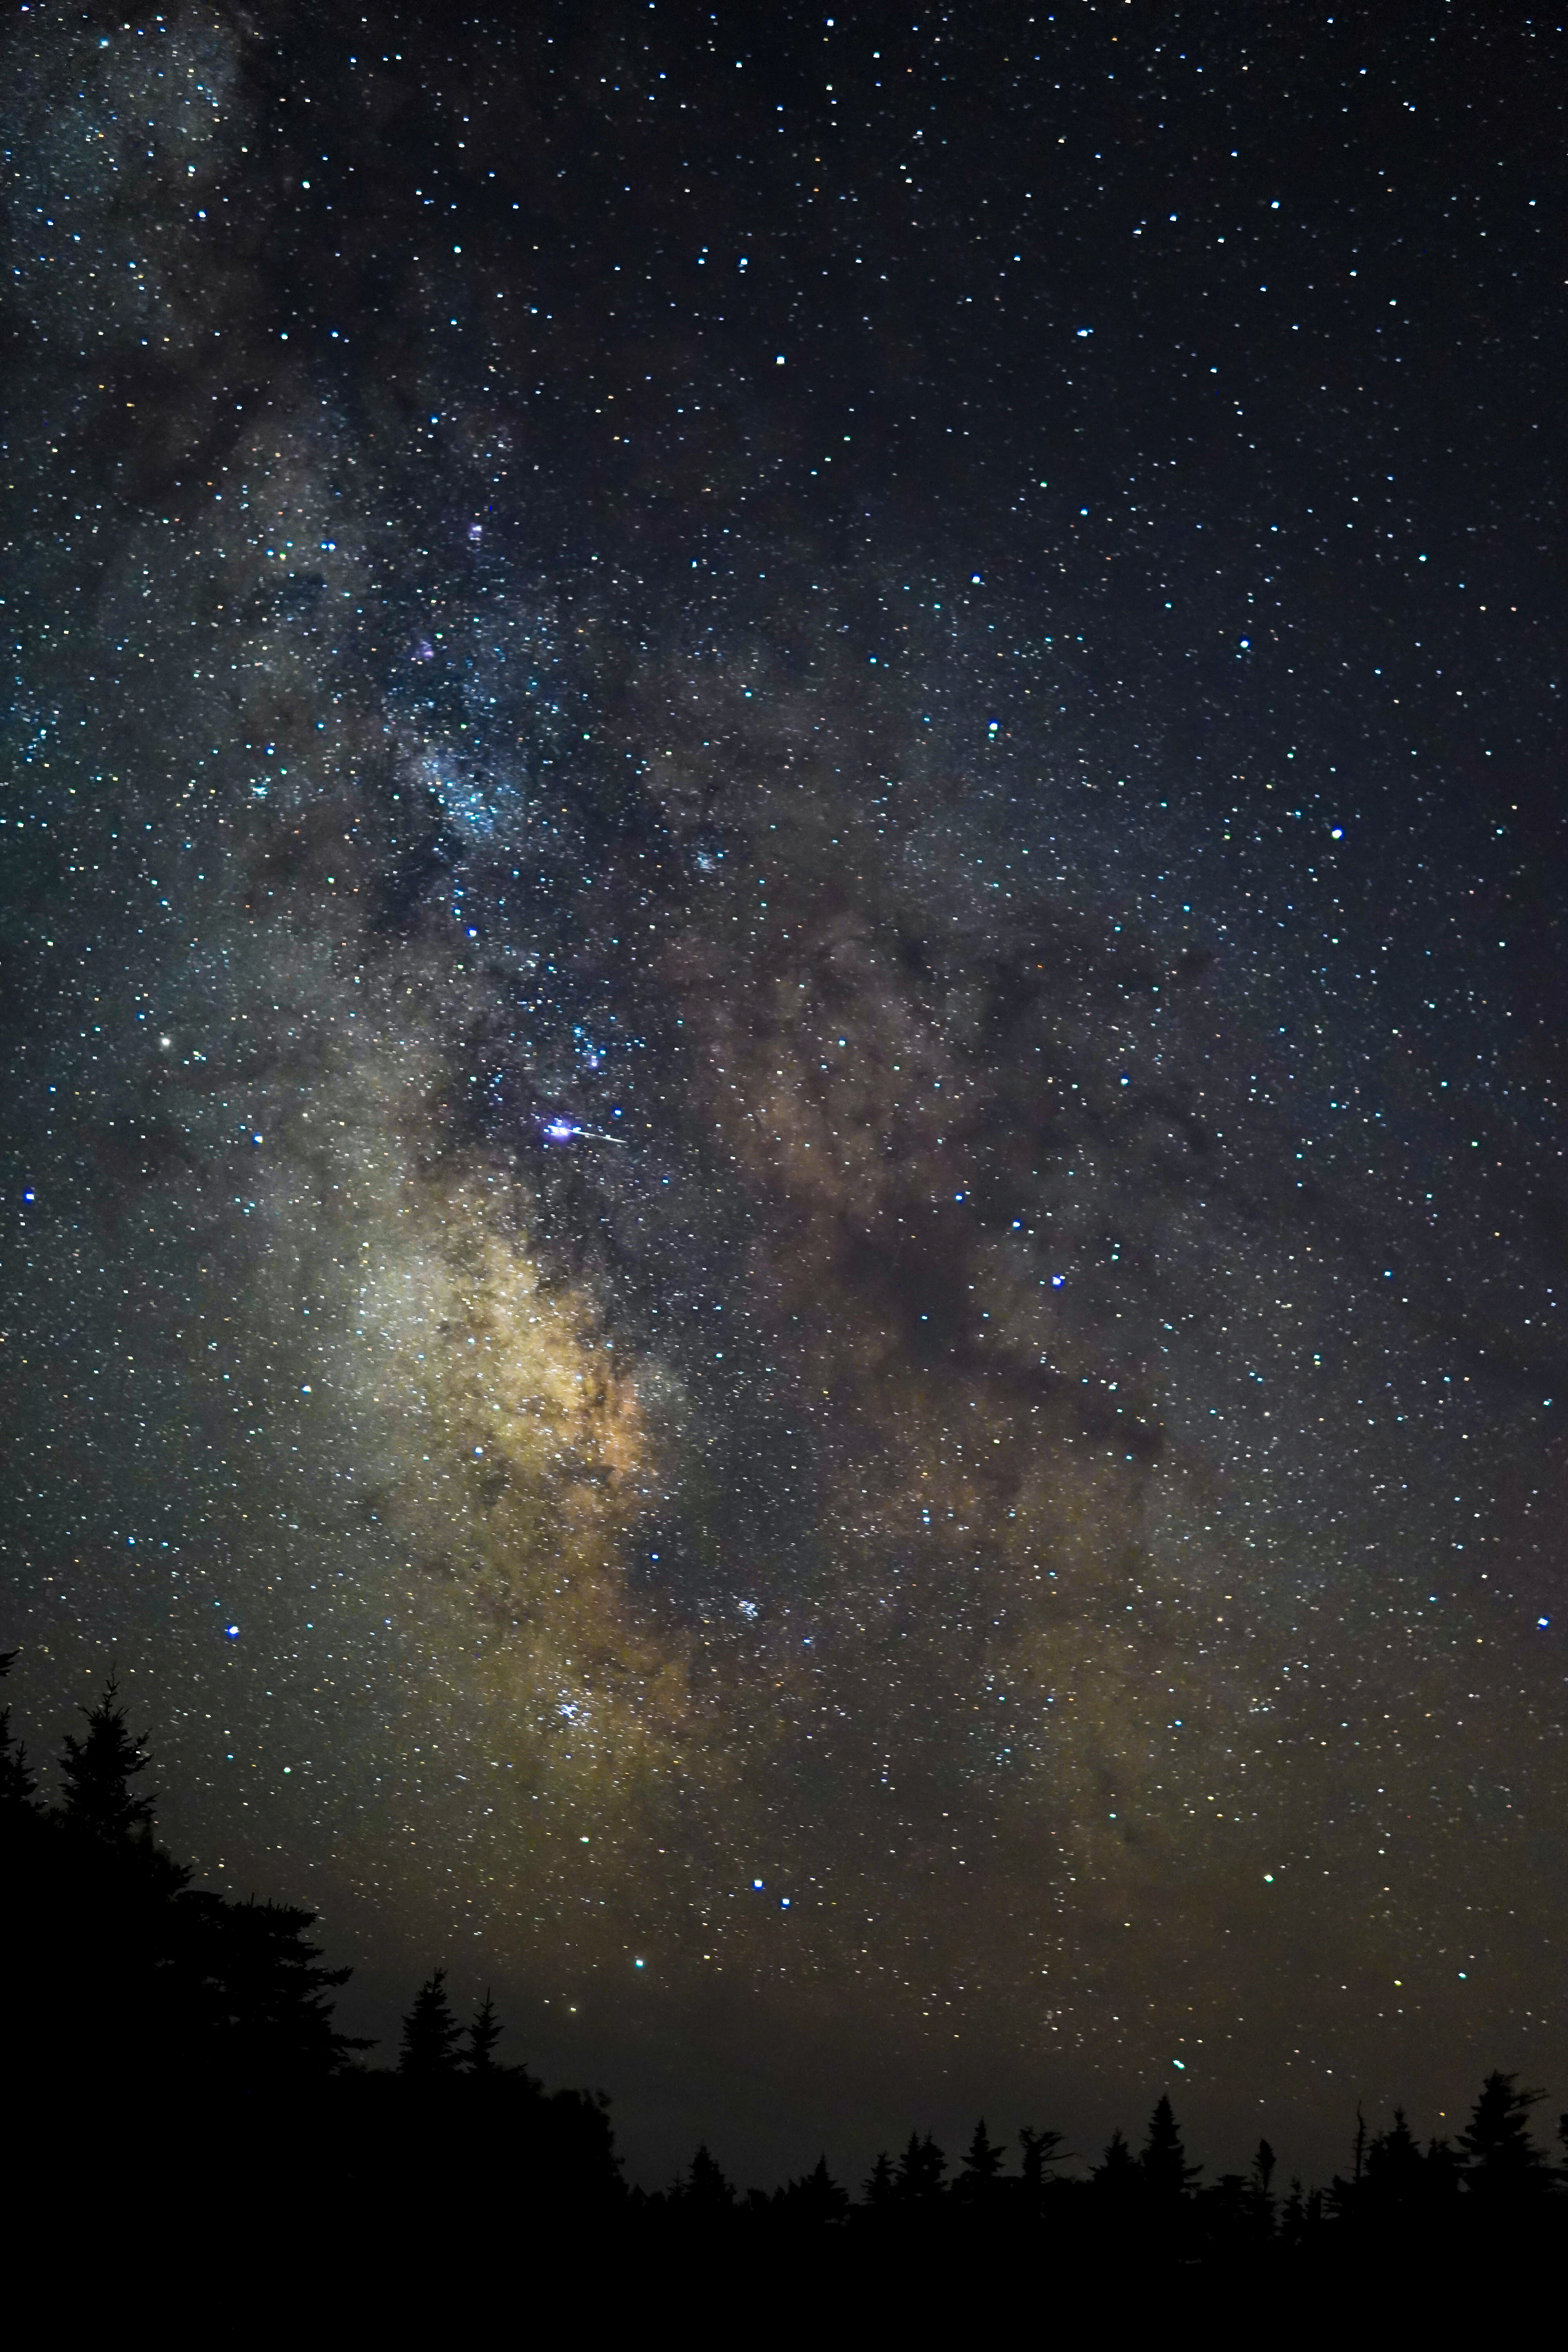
(256, 2002)
(982, 2163)
(1502, 2161)
(1040, 2151)
(1162, 2160)
(430, 2034)
(1259, 2198)
(705, 2193)
(878, 2189)
(816, 2200)
(1117, 2172)
(484, 2032)
(1395, 2169)
(1293, 2217)
(921, 2170)
(96, 1773)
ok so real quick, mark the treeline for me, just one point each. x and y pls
(209, 2025)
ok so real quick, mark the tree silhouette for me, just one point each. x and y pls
(1040, 2151)
(879, 2189)
(1162, 2160)
(1117, 2171)
(1395, 2169)
(982, 2163)
(705, 2193)
(203, 2006)
(96, 1773)
(921, 2170)
(1259, 2199)
(1293, 2217)
(430, 2034)
(1500, 2159)
(817, 2198)
(253, 1995)
(484, 2032)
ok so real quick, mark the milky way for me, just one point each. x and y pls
(784, 1210)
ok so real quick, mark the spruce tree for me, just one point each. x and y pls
(921, 2170)
(877, 2190)
(705, 2192)
(1259, 2198)
(1293, 2219)
(817, 2198)
(982, 2163)
(430, 2034)
(1039, 2151)
(267, 2019)
(1395, 2166)
(1500, 2159)
(96, 1773)
(1118, 2169)
(484, 2032)
(1162, 2160)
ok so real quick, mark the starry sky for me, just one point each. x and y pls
(786, 957)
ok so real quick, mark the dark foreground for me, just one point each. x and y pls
(177, 2092)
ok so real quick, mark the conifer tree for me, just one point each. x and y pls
(96, 1773)
(982, 2163)
(1501, 2157)
(484, 2032)
(1162, 2159)
(1393, 2166)
(921, 2170)
(1259, 2199)
(1117, 2171)
(877, 2190)
(1293, 2215)
(262, 2001)
(817, 2198)
(705, 2191)
(430, 2034)
(1039, 2152)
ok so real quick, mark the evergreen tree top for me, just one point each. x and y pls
(983, 2156)
(1162, 2158)
(428, 2051)
(96, 1773)
(1496, 2143)
(484, 2032)
(705, 2187)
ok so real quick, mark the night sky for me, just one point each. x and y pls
(786, 971)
